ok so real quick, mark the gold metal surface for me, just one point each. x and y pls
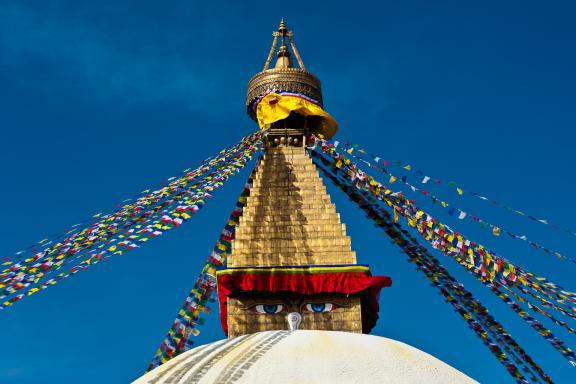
(289, 218)
(294, 80)
(284, 77)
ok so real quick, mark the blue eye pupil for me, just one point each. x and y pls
(318, 307)
(270, 308)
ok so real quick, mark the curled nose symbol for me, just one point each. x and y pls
(294, 320)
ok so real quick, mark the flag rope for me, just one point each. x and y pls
(178, 337)
(125, 230)
(496, 230)
(492, 333)
(380, 163)
(425, 225)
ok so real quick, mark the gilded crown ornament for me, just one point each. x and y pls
(287, 100)
(283, 77)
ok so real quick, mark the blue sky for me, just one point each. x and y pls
(99, 100)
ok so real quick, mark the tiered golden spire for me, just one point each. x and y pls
(292, 264)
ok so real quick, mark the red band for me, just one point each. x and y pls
(306, 284)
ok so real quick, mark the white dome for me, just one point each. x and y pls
(305, 357)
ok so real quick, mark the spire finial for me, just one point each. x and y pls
(283, 53)
(282, 28)
(283, 60)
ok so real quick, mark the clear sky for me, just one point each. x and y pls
(100, 100)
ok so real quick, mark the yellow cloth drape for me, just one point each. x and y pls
(274, 107)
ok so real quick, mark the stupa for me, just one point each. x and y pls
(294, 303)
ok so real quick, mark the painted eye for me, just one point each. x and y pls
(269, 308)
(319, 307)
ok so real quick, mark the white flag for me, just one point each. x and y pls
(425, 179)
(462, 215)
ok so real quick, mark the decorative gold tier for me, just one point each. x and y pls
(289, 218)
(294, 80)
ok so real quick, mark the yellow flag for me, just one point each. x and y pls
(496, 231)
(460, 192)
(392, 180)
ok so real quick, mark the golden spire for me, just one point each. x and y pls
(284, 60)
(282, 28)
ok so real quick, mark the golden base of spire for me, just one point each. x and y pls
(292, 80)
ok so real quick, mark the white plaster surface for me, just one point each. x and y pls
(305, 357)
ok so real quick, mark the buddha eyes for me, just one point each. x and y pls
(269, 308)
(279, 308)
(319, 307)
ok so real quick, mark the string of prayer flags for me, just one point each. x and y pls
(378, 162)
(546, 303)
(472, 255)
(492, 333)
(352, 179)
(461, 214)
(138, 202)
(533, 307)
(178, 338)
(443, 238)
(126, 230)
